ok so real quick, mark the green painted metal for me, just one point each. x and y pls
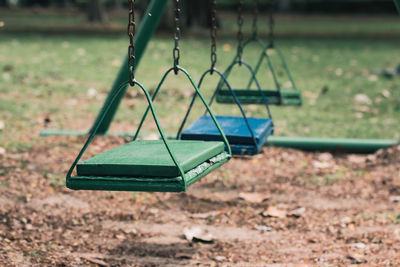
(252, 96)
(342, 145)
(186, 178)
(125, 161)
(397, 3)
(275, 96)
(146, 30)
(153, 184)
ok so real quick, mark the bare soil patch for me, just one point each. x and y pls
(280, 207)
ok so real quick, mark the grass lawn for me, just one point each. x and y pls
(62, 81)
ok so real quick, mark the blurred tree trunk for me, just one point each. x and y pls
(95, 11)
(198, 13)
(61, 3)
(284, 5)
(116, 4)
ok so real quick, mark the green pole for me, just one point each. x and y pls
(343, 145)
(397, 4)
(147, 27)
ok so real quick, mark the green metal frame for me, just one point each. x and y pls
(177, 184)
(340, 145)
(275, 96)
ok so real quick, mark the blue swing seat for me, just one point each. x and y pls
(236, 131)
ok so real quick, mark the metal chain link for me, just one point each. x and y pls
(131, 48)
(177, 37)
(255, 18)
(271, 23)
(240, 33)
(213, 34)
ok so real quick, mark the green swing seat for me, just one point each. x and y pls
(278, 96)
(149, 165)
(253, 96)
(121, 169)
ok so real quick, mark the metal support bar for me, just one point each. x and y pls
(341, 145)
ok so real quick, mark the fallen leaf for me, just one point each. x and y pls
(325, 156)
(197, 234)
(8, 68)
(386, 93)
(204, 215)
(187, 94)
(394, 198)
(356, 159)
(273, 211)
(356, 258)
(297, 213)
(363, 109)
(220, 258)
(324, 90)
(320, 165)
(226, 47)
(359, 245)
(373, 78)
(310, 95)
(96, 261)
(1, 125)
(91, 93)
(253, 197)
(183, 256)
(263, 228)
(362, 99)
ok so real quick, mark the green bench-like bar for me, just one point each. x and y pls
(274, 97)
(145, 165)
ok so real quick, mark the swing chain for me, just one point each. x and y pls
(177, 36)
(240, 33)
(255, 19)
(271, 23)
(131, 48)
(213, 33)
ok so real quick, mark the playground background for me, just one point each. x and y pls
(283, 206)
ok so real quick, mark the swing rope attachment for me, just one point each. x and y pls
(213, 34)
(131, 48)
(177, 37)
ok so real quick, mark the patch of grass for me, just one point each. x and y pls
(55, 180)
(51, 76)
(328, 179)
(4, 184)
(397, 218)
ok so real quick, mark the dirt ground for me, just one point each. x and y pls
(283, 207)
